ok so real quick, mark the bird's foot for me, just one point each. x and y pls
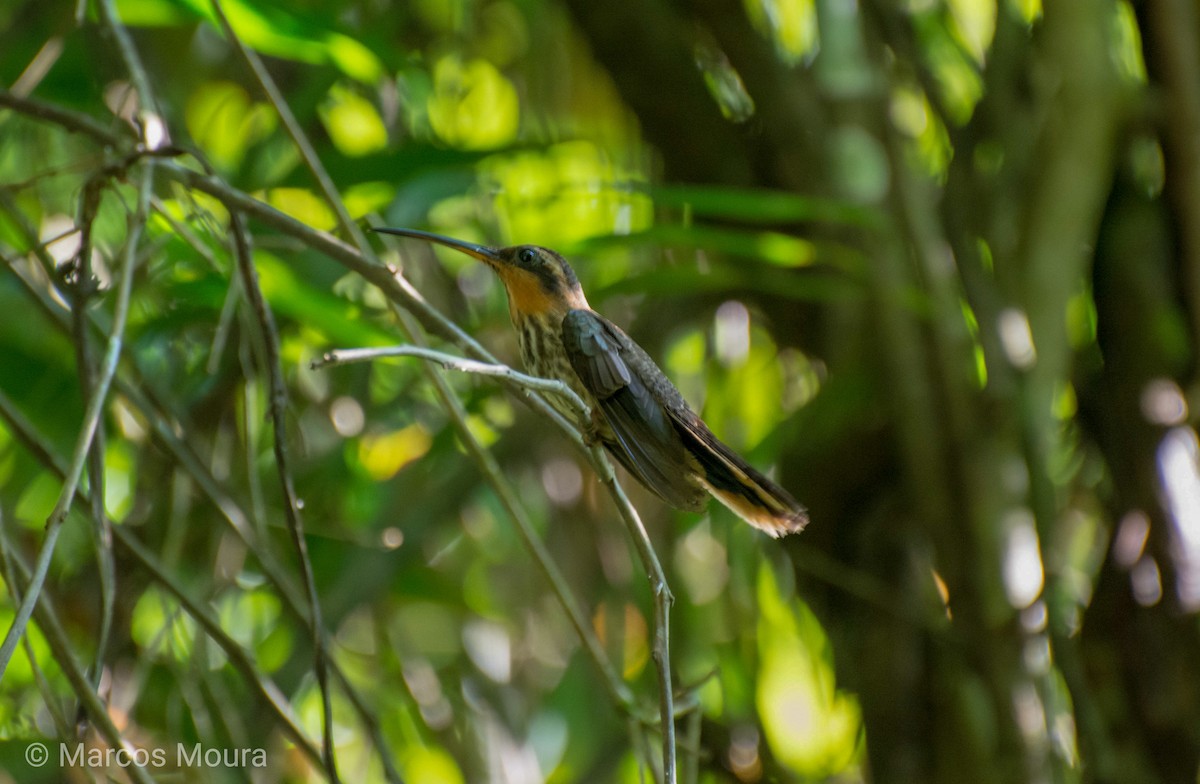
(591, 434)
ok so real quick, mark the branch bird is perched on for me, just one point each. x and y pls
(637, 413)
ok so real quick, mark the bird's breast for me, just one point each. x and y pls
(543, 355)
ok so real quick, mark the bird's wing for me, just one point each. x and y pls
(647, 443)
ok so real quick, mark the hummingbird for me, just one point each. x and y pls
(637, 413)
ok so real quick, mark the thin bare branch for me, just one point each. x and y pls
(352, 356)
(388, 279)
(292, 504)
(95, 409)
(82, 285)
(151, 131)
(307, 152)
(75, 122)
(241, 660)
(20, 585)
(168, 432)
(661, 648)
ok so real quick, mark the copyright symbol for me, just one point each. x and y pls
(36, 754)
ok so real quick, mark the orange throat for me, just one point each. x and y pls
(527, 297)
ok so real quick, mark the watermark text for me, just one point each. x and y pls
(181, 755)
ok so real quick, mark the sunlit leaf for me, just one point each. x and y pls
(974, 24)
(37, 500)
(225, 122)
(953, 67)
(473, 105)
(352, 122)
(811, 726)
(1128, 53)
(565, 194)
(271, 29)
(482, 430)
(303, 205)
(249, 617)
(791, 23)
(337, 320)
(159, 626)
(367, 197)
(775, 248)
(355, 60)
(119, 479)
(724, 83)
(431, 765)
(385, 454)
(154, 13)
(913, 115)
(742, 404)
(1028, 10)
(20, 669)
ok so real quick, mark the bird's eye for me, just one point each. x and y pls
(527, 255)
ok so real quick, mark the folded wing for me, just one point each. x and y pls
(647, 442)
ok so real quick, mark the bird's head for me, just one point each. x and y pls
(539, 281)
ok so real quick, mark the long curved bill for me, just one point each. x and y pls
(481, 252)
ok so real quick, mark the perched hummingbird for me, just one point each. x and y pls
(637, 413)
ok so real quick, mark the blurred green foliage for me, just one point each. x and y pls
(815, 215)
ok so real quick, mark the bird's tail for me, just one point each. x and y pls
(735, 483)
